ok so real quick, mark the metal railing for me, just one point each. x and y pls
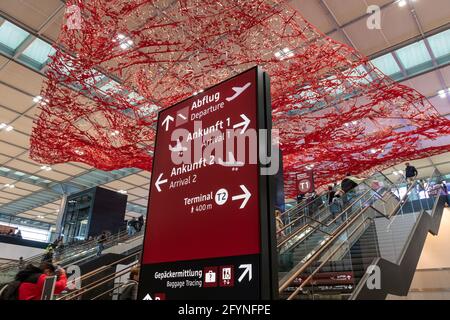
(336, 235)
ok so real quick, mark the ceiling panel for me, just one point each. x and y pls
(23, 124)
(142, 202)
(427, 84)
(432, 16)
(3, 159)
(10, 150)
(7, 195)
(4, 180)
(15, 100)
(27, 186)
(13, 74)
(23, 166)
(441, 158)
(441, 105)
(6, 115)
(139, 192)
(52, 175)
(359, 33)
(136, 179)
(119, 185)
(20, 192)
(348, 12)
(397, 24)
(16, 138)
(314, 13)
(30, 12)
(68, 169)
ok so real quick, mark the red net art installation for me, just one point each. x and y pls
(334, 109)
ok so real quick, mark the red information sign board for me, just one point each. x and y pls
(208, 226)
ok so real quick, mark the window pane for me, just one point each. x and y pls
(39, 51)
(440, 43)
(12, 36)
(413, 55)
(386, 64)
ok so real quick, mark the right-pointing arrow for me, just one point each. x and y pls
(246, 196)
(247, 270)
(160, 182)
(243, 124)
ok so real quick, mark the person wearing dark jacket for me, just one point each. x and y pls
(140, 223)
(32, 280)
(410, 173)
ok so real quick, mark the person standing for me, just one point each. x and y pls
(101, 243)
(130, 289)
(410, 173)
(279, 223)
(21, 263)
(332, 199)
(140, 223)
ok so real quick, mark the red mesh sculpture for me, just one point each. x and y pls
(333, 108)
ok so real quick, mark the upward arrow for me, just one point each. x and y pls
(147, 297)
(167, 121)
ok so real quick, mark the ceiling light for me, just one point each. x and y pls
(79, 152)
(122, 191)
(37, 99)
(10, 186)
(40, 217)
(443, 93)
(6, 127)
(373, 151)
(120, 36)
(115, 133)
(46, 168)
(284, 53)
(395, 173)
(402, 3)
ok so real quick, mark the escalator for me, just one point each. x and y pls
(81, 254)
(373, 252)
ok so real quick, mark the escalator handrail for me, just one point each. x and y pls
(96, 271)
(339, 231)
(308, 225)
(69, 250)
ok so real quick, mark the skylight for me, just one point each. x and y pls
(39, 51)
(11, 36)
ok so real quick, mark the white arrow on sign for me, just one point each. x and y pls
(248, 270)
(167, 121)
(147, 297)
(246, 196)
(160, 182)
(243, 124)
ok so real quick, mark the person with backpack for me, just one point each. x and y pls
(29, 282)
(348, 184)
(130, 288)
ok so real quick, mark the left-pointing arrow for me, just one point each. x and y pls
(246, 196)
(167, 121)
(160, 182)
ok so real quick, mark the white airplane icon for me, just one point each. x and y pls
(178, 148)
(231, 161)
(238, 91)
